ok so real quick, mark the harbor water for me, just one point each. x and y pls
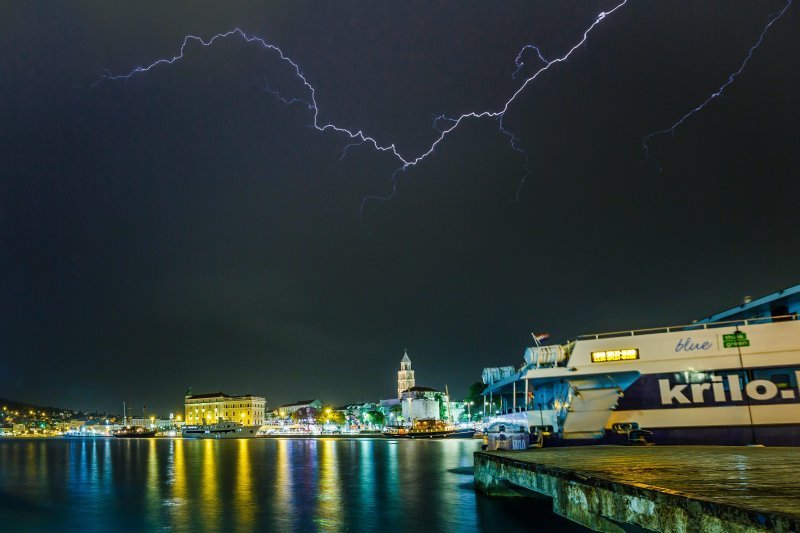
(254, 485)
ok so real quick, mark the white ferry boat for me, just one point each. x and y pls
(223, 430)
(711, 382)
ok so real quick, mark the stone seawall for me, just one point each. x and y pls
(605, 504)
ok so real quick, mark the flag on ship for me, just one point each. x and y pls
(540, 337)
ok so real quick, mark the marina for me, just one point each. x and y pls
(659, 488)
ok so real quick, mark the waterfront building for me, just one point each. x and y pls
(405, 376)
(288, 408)
(351, 413)
(160, 424)
(216, 407)
(457, 411)
(392, 410)
(424, 402)
(416, 402)
(76, 423)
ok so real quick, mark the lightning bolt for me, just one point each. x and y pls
(520, 62)
(717, 93)
(443, 125)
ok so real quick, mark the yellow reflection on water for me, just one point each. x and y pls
(179, 499)
(31, 466)
(153, 493)
(283, 480)
(329, 504)
(209, 497)
(178, 472)
(243, 497)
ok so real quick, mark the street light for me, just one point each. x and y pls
(469, 411)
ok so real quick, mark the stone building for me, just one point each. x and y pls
(405, 377)
(288, 408)
(216, 407)
(423, 402)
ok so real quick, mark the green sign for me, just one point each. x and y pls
(735, 340)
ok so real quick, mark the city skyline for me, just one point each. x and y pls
(185, 227)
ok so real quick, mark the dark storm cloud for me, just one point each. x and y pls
(185, 228)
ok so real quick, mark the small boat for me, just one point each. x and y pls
(223, 430)
(134, 432)
(428, 428)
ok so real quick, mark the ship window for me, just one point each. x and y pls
(783, 378)
(726, 385)
(688, 377)
(692, 377)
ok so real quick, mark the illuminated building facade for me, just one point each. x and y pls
(217, 407)
(288, 408)
(424, 402)
(405, 377)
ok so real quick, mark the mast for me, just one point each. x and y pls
(449, 414)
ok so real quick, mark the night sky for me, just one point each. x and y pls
(184, 227)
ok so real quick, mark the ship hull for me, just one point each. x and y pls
(458, 434)
(220, 432)
(135, 435)
(731, 384)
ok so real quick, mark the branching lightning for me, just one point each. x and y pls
(442, 124)
(716, 94)
(520, 62)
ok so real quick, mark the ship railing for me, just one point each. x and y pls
(690, 327)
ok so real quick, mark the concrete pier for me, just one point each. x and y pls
(659, 488)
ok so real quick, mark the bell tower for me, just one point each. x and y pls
(405, 377)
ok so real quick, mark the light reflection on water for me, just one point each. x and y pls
(243, 496)
(209, 505)
(255, 484)
(329, 505)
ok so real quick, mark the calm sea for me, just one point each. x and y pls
(261, 484)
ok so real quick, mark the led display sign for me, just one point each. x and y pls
(615, 355)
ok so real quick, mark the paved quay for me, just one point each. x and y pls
(661, 488)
